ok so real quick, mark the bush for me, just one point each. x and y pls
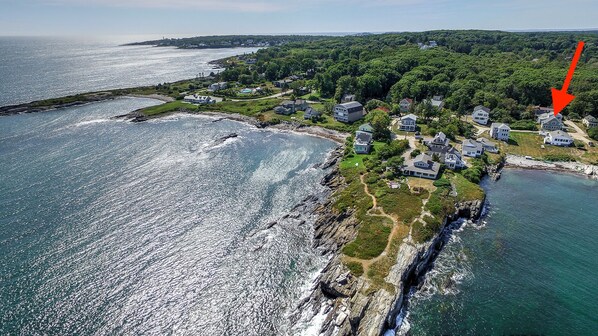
(525, 125)
(442, 183)
(593, 133)
(415, 153)
(355, 267)
(559, 158)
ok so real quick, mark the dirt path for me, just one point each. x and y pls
(579, 134)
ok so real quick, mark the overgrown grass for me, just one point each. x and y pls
(466, 190)
(379, 270)
(168, 107)
(423, 231)
(355, 267)
(441, 203)
(371, 239)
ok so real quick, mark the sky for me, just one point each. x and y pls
(176, 18)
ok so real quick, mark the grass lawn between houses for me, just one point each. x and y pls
(529, 144)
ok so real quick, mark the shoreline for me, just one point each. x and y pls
(576, 168)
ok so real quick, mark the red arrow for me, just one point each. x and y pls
(560, 98)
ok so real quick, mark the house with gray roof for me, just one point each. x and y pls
(481, 115)
(590, 121)
(472, 148)
(349, 112)
(422, 166)
(488, 145)
(408, 123)
(366, 128)
(438, 142)
(549, 123)
(500, 131)
(363, 140)
(311, 113)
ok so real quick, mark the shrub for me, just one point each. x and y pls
(559, 158)
(355, 267)
(526, 125)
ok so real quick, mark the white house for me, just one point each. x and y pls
(363, 142)
(500, 131)
(472, 148)
(453, 160)
(481, 115)
(196, 99)
(348, 112)
(558, 138)
(408, 123)
(590, 121)
(405, 104)
(422, 166)
(437, 102)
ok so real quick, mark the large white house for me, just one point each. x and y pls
(422, 166)
(196, 99)
(408, 123)
(348, 112)
(481, 115)
(558, 138)
(500, 131)
(472, 148)
(590, 121)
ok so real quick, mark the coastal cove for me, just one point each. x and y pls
(527, 268)
(110, 226)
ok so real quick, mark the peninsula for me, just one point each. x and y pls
(421, 118)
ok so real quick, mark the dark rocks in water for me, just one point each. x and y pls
(217, 120)
(226, 137)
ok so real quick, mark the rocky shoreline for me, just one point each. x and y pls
(338, 298)
(587, 170)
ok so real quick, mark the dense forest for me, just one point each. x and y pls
(507, 72)
(228, 41)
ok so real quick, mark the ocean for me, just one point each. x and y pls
(529, 268)
(36, 68)
(112, 227)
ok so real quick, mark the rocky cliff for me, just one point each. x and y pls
(349, 304)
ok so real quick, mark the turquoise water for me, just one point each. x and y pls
(114, 228)
(531, 268)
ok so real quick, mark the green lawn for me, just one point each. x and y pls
(169, 107)
(525, 144)
(372, 238)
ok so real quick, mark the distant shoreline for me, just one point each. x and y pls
(576, 168)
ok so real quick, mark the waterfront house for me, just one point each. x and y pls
(500, 131)
(481, 115)
(590, 121)
(283, 110)
(558, 138)
(348, 112)
(347, 98)
(472, 148)
(288, 107)
(549, 123)
(437, 102)
(363, 139)
(488, 145)
(311, 113)
(408, 123)
(197, 99)
(405, 105)
(453, 160)
(422, 166)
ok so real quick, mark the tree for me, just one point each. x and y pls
(395, 164)
(380, 121)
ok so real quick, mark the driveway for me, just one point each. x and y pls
(579, 134)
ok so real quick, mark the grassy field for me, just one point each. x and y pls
(168, 107)
(380, 269)
(371, 239)
(467, 191)
(525, 144)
